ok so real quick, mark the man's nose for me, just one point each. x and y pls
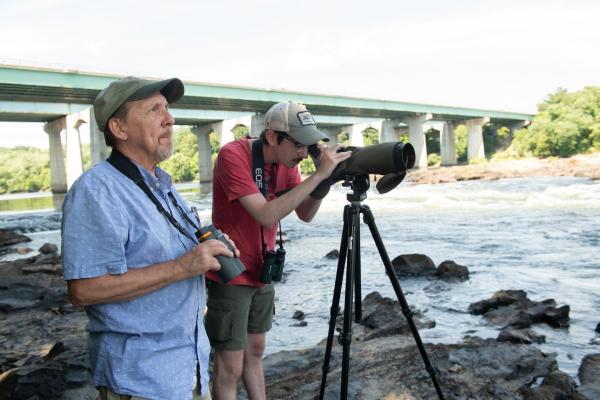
(169, 120)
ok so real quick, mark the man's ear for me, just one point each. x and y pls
(117, 127)
(271, 137)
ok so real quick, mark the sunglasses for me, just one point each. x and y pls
(296, 144)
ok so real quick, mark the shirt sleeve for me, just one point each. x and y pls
(233, 173)
(94, 234)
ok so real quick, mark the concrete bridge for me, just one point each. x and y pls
(62, 99)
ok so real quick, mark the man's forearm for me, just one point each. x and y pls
(268, 213)
(307, 210)
(134, 283)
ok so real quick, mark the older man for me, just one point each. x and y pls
(131, 258)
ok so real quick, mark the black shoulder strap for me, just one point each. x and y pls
(125, 166)
(258, 166)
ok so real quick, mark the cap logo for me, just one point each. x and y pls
(306, 118)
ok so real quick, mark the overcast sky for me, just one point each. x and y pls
(500, 55)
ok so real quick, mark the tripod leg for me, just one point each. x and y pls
(335, 303)
(370, 221)
(345, 337)
(357, 283)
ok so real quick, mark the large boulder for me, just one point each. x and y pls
(451, 271)
(557, 385)
(53, 373)
(589, 376)
(412, 265)
(382, 316)
(8, 238)
(513, 308)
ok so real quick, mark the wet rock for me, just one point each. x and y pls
(333, 254)
(48, 248)
(449, 270)
(391, 367)
(589, 376)
(49, 258)
(598, 328)
(557, 385)
(410, 265)
(498, 299)
(20, 293)
(43, 345)
(512, 307)
(8, 238)
(300, 324)
(48, 375)
(299, 315)
(382, 316)
(524, 336)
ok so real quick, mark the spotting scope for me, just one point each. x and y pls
(388, 159)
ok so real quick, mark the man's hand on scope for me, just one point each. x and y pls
(329, 158)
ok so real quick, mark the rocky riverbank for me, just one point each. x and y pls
(43, 345)
(582, 165)
(385, 362)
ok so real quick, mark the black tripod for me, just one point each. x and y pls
(350, 247)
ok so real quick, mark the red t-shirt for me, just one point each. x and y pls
(232, 179)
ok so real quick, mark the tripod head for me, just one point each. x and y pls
(359, 185)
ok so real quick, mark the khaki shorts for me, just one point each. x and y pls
(234, 311)
(107, 394)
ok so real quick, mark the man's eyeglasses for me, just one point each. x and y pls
(296, 144)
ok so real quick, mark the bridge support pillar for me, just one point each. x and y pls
(387, 133)
(98, 148)
(416, 137)
(257, 124)
(448, 144)
(224, 128)
(73, 145)
(204, 154)
(355, 134)
(475, 147)
(58, 177)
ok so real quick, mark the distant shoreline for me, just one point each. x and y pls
(582, 165)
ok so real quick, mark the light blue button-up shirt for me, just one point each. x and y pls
(149, 346)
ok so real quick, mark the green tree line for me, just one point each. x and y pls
(567, 123)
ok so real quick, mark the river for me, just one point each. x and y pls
(541, 235)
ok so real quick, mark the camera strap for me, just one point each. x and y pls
(258, 164)
(125, 166)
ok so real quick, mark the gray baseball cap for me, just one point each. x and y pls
(295, 120)
(131, 88)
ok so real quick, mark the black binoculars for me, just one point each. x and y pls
(230, 266)
(273, 266)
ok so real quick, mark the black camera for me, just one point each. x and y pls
(273, 266)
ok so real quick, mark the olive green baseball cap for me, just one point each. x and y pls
(295, 120)
(131, 88)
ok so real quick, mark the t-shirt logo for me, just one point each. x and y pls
(306, 118)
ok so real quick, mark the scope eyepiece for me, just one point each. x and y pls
(404, 156)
